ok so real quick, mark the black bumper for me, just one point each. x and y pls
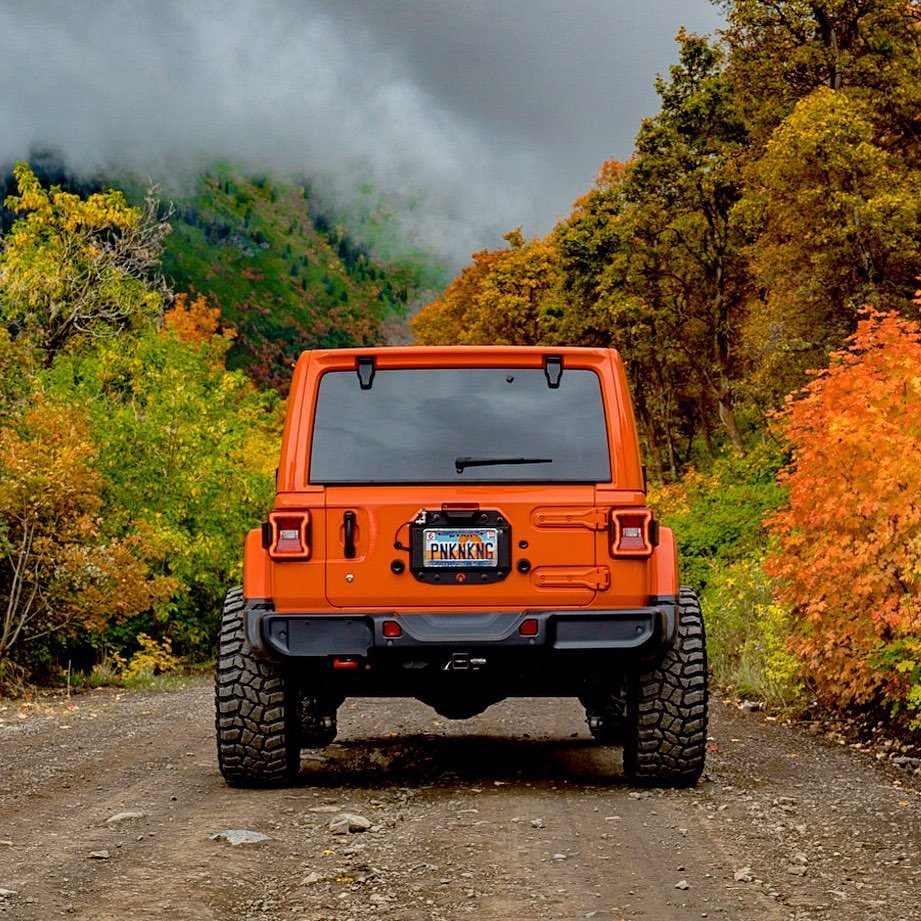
(643, 633)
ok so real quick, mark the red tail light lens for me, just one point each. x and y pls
(632, 532)
(290, 538)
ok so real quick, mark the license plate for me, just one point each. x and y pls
(446, 548)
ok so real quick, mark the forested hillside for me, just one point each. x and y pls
(765, 235)
(288, 273)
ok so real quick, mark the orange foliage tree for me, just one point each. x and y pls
(194, 320)
(847, 547)
(504, 298)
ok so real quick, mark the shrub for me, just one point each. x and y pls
(748, 632)
(717, 516)
(847, 546)
(60, 573)
(153, 658)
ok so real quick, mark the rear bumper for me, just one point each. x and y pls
(639, 633)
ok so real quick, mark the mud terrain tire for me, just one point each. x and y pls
(256, 730)
(667, 709)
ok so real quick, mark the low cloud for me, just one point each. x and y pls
(484, 115)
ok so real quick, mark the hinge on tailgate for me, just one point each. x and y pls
(597, 578)
(594, 519)
(553, 369)
(365, 372)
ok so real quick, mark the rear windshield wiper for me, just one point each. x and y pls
(462, 463)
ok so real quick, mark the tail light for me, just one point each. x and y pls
(634, 532)
(288, 535)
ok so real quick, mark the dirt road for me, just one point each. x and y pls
(108, 804)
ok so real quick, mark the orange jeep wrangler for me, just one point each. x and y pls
(460, 525)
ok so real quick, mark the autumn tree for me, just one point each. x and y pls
(58, 570)
(783, 50)
(504, 298)
(444, 321)
(74, 268)
(847, 547)
(835, 223)
(194, 319)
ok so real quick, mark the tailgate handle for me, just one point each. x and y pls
(459, 512)
(348, 525)
(594, 519)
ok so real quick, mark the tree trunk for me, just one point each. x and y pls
(728, 418)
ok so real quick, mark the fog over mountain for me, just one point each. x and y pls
(485, 114)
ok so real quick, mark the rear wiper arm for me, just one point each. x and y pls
(461, 463)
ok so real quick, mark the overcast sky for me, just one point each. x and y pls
(487, 114)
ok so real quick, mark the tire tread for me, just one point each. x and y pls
(255, 741)
(667, 735)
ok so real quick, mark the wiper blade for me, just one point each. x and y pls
(461, 463)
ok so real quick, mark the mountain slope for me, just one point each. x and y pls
(281, 272)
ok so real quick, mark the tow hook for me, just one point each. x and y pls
(461, 662)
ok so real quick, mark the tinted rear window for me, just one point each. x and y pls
(413, 425)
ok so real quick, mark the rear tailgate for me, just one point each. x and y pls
(511, 547)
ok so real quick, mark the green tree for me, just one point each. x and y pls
(587, 242)
(600, 306)
(73, 268)
(649, 262)
(678, 277)
(17, 371)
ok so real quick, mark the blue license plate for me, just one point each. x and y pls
(460, 548)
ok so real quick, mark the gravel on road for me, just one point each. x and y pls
(111, 807)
